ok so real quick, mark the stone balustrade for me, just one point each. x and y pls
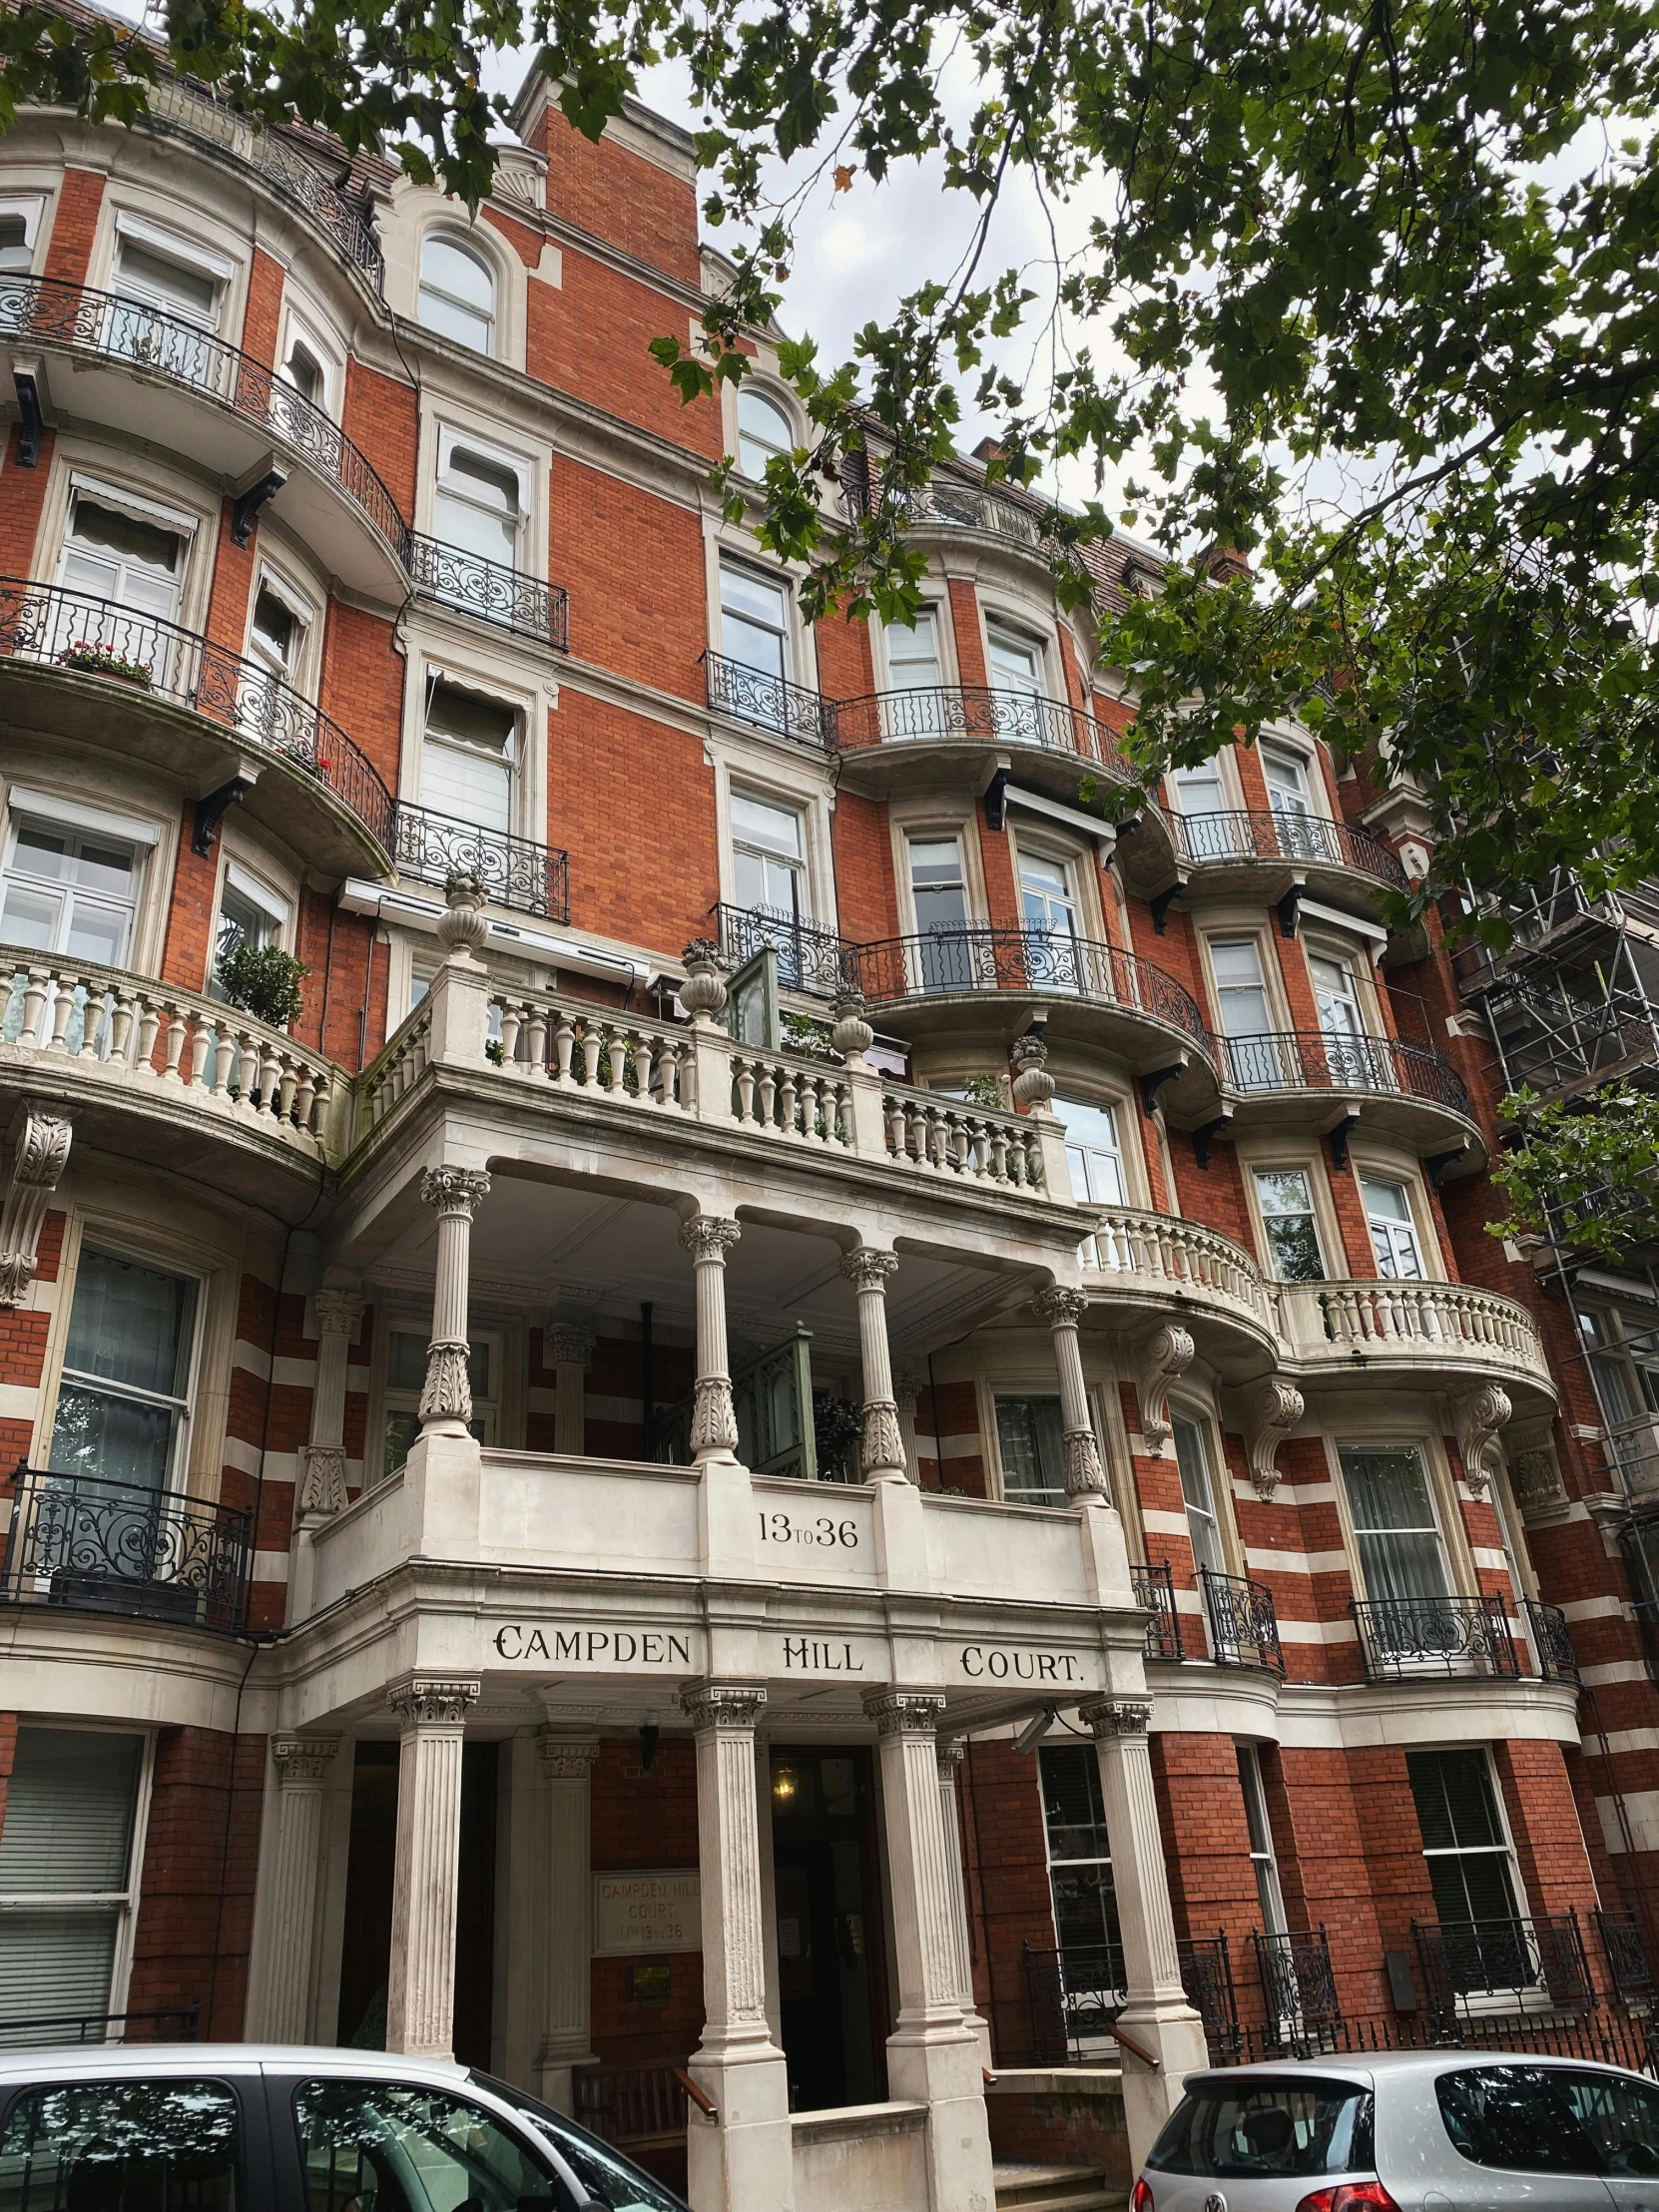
(1414, 1323)
(1164, 1252)
(106, 1027)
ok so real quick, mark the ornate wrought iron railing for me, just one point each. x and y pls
(45, 623)
(117, 1548)
(975, 959)
(812, 960)
(769, 702)
(1526, 1960)
(47, 311)
(181, 104)
(1551, 1641)
(1298, 1985)
(1402, 1638)
(506, 597)
(946, 711)
(1264, 834)
(1312, 1060)
(1628, 1968)
(514, 871)
(960, 506)
(1154, 1587)
(1075, 1993)
(177, 2026)
(1243, 1621)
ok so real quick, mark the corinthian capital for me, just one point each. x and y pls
(338, 1312)
(454, 1190)
(709, 1237)
(1061, 1308)
(727, 1707)
(869, 1269)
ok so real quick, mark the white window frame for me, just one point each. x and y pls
(1264, 1852)
(1363, 1173)
(126, 1902)
(283, 588)
(1535, 1997)
(799, 862)
(31, 206)
(1323, 1226)
(1025, 630)
(1313, 783)
(465, 243)
(1453, 1562)
(753, 387)
(188, 252)
(297, 327)
(517, 465)
(278, 909)
(120, 1244)
(61, 818)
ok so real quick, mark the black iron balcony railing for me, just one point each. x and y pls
(1404, 1638)
(506, 597)
(1075, 1993)
(1000, 716)
(176, 2026)
(812, 960)
(531, 879)
(1315, 1060)
(1628, 1968)
(976, 959)
(769, 702)
(1299, 1987)
(118, 1547)
(47, 311)
(1551, 1641)
(1243, 1621)
(1531, 1961)
(1645, 1613)
(1266, 833)
(46, 624)
(1154, 1587)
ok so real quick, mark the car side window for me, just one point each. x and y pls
(122, 2146)
(1620, 2117)
(1516, 2116)
(391, 2146)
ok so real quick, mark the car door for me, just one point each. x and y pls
(1621, 2116)
(119, 2139)
(1516, 2139)
(359, 2144)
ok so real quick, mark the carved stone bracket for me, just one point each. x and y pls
(1275, 1410)
(1477, 1416)
(1164, 1356)
(904, 1712)
(39, 1157)
(323, 1478)
(1534, 1471)
(303, 1759)
(726, 1707)
(1115, 1717)
(426, 1701)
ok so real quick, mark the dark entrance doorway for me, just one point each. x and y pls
(830, 1969)
(365, 1953)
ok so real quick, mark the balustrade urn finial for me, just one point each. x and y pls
(1033, 1085)
(704, 990)
(852, 1035)
(463, 929)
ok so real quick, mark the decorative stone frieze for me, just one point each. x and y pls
(40, 1153)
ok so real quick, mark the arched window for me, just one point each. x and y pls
(457, 293)
(763, 430)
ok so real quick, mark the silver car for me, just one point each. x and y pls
(1409, 2132)
(245, 2127)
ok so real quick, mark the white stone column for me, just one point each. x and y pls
(567, 1762)
(280, 1972)
(951, 1752)
(455, 1194)
(714, 1423)
(420, 1993)
(1158, 2020)
(933, 2054)
(743, 2160)
(567, 1348)
(882, 1452)
(1064, 1310)
(322, 1460)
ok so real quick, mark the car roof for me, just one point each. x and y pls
(1386, 2066)
(30, 2062)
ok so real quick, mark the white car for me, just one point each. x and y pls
(1409, 2132)
(247, 2127)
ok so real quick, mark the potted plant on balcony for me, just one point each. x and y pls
(261, 980)
(93, 659)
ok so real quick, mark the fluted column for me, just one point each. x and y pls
(1156, 2015)
(882, 1452)
(743, 2160)
(951, 1752)
(567, 1762)
(714, 1422)
(420, 1994)
(279, 1975)
(456, 1195)
(322, 1460)
(567, 1348)
(933, 2054)
(1064, 1310)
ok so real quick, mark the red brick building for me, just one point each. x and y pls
(798, 1239)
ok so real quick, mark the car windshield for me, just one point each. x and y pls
(609, 2178)
(1236, 2130)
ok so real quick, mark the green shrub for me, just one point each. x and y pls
(261, 980)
